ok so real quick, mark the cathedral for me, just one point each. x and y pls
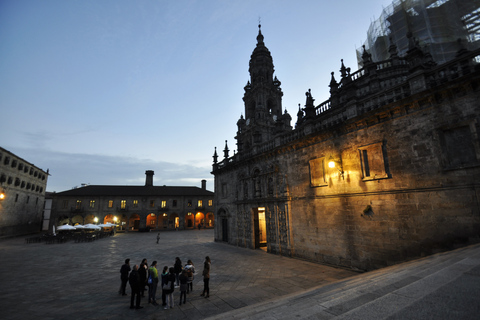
(384, 171)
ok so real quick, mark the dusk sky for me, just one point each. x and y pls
(100, 91)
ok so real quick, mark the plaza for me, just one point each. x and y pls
(81, 280)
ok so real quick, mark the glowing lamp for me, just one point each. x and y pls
(2, 195)
(333, 164)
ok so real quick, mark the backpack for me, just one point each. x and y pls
(189, 274)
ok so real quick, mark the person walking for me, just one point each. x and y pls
(183, 286)
(178, 269)
(152, 283)
(142, 272)
(124, 270)
(168, 288)
(206, 277)
(158, 237)
(190, 268)
(135, 285)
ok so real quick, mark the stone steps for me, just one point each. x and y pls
(374, 295)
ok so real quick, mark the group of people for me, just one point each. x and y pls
(142, 276)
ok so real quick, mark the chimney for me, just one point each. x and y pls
(204, 184)
(149, 178)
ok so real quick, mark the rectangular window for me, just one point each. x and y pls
(110, 203)
(174, 203)
(135, 203)
(317, 172)
(200, 203)
(92, 204)
(123, 204)
(65, 204)
(164, 203)
(210, 203)
(460, 146)
(224, 190)
(78, 204)
(372, 162)
(189, 203)
(152, 203)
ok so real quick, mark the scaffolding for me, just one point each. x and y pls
(435, 24)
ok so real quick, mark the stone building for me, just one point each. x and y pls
(384, 171)
(22, 195)
(135, 207)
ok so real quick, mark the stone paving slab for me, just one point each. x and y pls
(81, 280)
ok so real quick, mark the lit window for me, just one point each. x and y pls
(210, 203)
(92, 204)
(123, 204)
(110, 203)
(372, 162)
(200, 203)
(152, 203)
(78, 204)
(164, 204)
(317, 172)
(135, 203)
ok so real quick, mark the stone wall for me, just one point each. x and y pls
(409, 186)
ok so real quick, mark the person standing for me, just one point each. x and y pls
(206, 277)
(183, 286)
(142, 272)
(178, 269)
(124, 270)
(135, 285)
(153, 283)
(158, 237)
(164, 279)
(168, 288)
(190, 268)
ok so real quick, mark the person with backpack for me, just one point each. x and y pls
(135, 285)
(168, 287)
(190, 268)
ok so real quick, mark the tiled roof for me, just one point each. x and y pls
(135, 191)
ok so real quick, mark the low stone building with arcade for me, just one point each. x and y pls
(136, 208)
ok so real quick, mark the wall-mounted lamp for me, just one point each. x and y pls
(2, 194)
(95, 220)
(335, 164)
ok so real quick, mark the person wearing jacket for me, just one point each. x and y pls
(206, 277)
(164, 278)
(124, 270)
(168, 288)
(135, 285)
(142, 272)
(190, 274)
(178, 270)
(152, 287)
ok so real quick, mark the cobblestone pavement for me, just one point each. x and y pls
(81, 280)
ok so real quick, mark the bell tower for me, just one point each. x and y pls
(263, 101)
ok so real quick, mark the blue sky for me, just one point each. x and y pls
(100, 91)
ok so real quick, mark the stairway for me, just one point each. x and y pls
(442, 286)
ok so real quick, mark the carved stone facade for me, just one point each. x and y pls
(384, 171)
